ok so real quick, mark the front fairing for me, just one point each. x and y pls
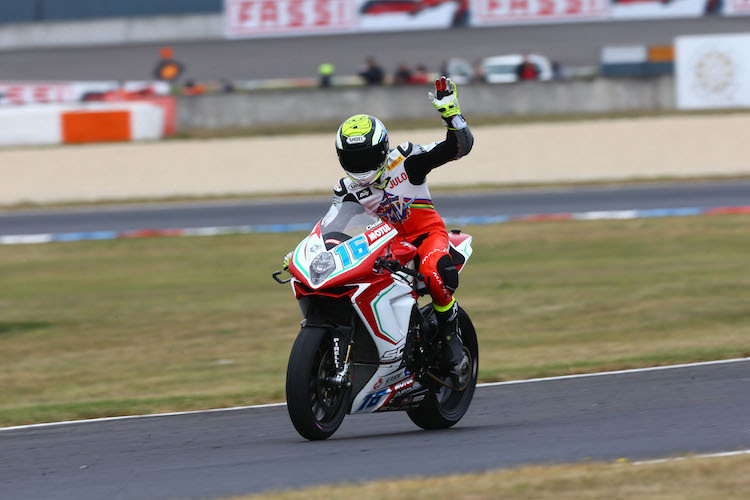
(342, 248)
(350, 241)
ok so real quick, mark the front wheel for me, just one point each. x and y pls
(446, 407)
(316, 405)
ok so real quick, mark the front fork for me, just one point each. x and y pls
(343, 336)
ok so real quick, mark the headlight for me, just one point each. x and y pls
(321, 267)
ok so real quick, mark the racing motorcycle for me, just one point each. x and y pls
(365, 344)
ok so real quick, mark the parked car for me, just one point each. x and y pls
(503, 69)
(459, 70)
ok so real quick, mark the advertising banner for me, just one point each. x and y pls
(737, 7)
(257, 18)
(660, 9)
(17, 93)
(493, 12)
(712, 71)
(261, 18)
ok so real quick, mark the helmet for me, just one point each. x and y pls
(362, 146)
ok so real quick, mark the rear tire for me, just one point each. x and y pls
(316, 406)
(445, 408)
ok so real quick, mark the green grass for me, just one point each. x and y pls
(693, 478)
(137, 326)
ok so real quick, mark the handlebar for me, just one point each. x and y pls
(395, 266)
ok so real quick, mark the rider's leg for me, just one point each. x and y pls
(441, 278)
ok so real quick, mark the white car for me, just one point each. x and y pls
(503, 69)
(459, 70)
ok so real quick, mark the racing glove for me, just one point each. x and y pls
(445, 100)
(287, 258)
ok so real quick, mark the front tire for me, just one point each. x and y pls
(446, 407)
(316, 406)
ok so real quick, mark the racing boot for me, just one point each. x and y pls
(454, 361)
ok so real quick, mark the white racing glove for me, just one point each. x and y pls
(445, 100)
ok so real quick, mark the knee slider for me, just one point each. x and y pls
(448, 272)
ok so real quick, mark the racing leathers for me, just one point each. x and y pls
(402, 198)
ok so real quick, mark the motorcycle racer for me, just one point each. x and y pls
(391, 184)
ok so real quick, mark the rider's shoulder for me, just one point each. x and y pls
(404, 149)
(397, 155)
(343, 186)
(408, 149)
(348, 190)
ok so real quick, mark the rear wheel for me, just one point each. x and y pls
(316, 405)
(446, 407)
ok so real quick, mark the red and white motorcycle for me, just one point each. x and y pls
(365, 344)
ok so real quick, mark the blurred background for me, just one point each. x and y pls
(244, 63)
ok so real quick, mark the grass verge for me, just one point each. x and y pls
(693, 478)
(104, 328)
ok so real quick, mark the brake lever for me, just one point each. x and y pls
(395, 266)
(276, 277)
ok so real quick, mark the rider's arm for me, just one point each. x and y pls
(420, 160)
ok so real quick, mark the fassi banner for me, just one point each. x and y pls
(260, 18)
(248, 18)
(491, 12)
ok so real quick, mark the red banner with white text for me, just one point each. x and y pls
(492, 12)
(249, 18)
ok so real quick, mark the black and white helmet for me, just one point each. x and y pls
(362, 147)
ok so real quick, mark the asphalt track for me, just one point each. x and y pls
(576, 44)
(309, 210)
(636, 415)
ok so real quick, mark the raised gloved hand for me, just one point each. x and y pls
(287, 258)
(445, 98)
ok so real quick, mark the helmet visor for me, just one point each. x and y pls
(359, 161)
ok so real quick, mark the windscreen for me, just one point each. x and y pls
(345, 220)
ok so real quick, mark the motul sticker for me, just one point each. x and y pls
(378, 233)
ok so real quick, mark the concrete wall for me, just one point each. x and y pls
(305, 106)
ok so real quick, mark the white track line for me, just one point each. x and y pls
(488, 384)
(704, 455)
(129, 417)
(616, 372)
